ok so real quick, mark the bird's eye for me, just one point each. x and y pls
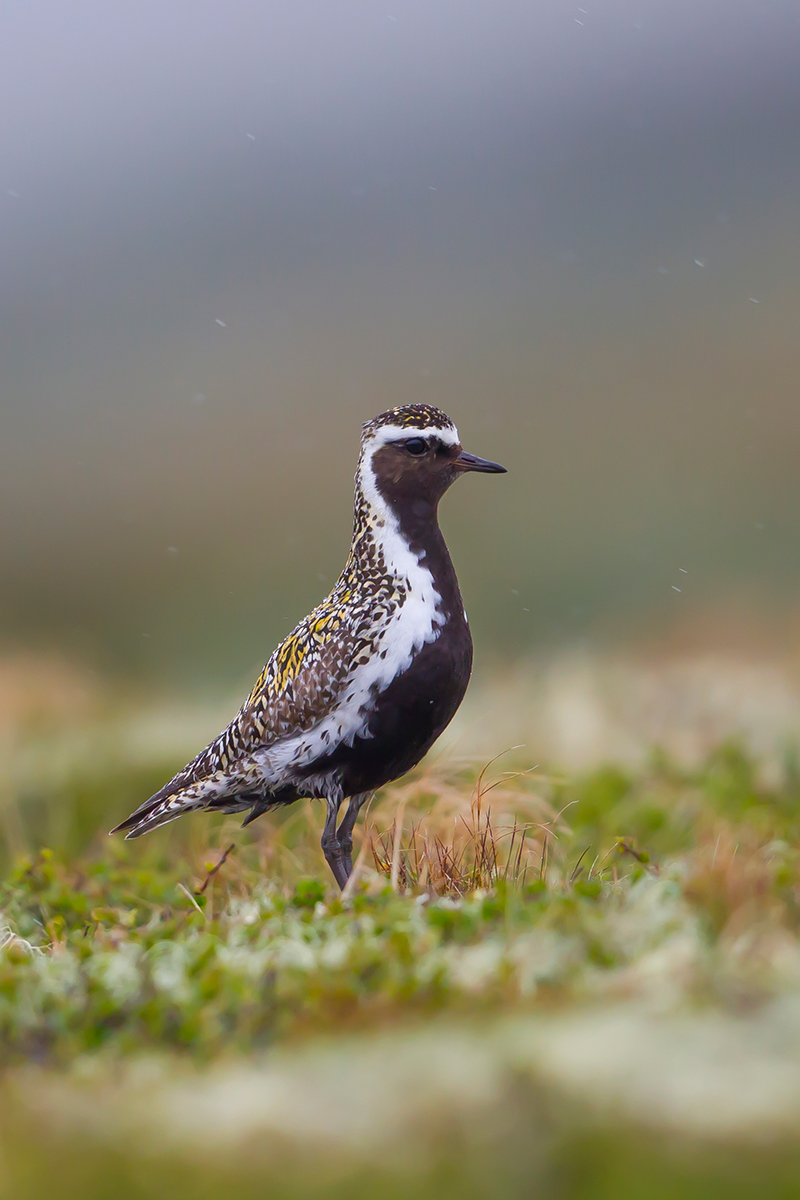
(417, 447)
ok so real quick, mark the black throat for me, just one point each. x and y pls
(418, 518)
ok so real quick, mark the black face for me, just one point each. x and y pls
(413, 473)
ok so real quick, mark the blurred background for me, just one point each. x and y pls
(231, 233)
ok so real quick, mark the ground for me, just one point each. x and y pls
(537, 985)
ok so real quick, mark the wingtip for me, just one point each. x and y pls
(131, 827)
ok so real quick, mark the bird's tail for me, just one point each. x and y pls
(177, 798)
(157, 811)
(185, 792)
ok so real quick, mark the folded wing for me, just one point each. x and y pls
(296, 691)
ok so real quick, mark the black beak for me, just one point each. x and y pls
(470, 462)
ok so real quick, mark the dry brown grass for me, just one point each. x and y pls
(448, 839)
(445, 831)
(734, 879)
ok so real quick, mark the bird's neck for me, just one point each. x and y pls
(400, 539)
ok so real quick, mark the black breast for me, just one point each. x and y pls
(411, 713)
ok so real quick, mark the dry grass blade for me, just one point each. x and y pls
(355, 874)
(625, 846)
(394, 877)
(576, 870)
(182, 887)
(213, 870)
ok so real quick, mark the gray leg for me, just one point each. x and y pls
(330, 845)
(345, 834)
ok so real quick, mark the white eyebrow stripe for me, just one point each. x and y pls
(395, 433)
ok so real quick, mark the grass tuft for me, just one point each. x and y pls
(448, 840)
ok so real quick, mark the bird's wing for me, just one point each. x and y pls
(304, 676)
(296, 689)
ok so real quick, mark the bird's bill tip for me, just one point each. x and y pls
(471, 462)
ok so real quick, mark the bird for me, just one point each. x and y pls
(360, 690)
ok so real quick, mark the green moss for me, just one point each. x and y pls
(113, 950)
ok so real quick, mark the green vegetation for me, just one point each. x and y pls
(508, 1002)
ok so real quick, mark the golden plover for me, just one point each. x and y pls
(359, 692)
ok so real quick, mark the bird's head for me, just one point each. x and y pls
(409, 457)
